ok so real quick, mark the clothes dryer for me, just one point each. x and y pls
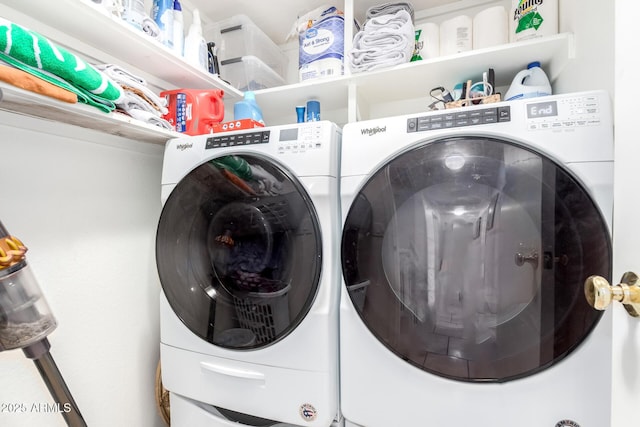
(467, 237)
(247, 253)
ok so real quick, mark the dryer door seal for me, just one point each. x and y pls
(466, 257)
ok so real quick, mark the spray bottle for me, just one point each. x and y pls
(195, 46)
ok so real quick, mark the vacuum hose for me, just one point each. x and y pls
(39, 353)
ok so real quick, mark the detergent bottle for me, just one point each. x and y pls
(162, 12)
(195, 46)
(529, 83)
(248, 108)
(178, 28)
(194, 111)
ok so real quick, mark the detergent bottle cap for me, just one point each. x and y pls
(533, 64)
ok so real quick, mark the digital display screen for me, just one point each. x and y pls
(542, 109)
(289, 134)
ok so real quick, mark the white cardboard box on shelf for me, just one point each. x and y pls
(249, 73)
(238, 36)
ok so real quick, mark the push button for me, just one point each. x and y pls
(504, 114)
(412, 125)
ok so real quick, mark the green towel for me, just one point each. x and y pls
(35, 54)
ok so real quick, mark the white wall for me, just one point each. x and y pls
(87, 211)
(591, 21)
(626, 235)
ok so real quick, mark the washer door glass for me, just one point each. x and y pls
(466, 257)
(238, 251)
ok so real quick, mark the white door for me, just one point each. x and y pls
(626, 228)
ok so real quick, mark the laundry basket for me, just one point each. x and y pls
(266, 314)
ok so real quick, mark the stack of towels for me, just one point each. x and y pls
(37, 56)
(387, 38)
(31, 61)
(138, 100)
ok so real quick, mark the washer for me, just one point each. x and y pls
(467, 237)
(247, 252)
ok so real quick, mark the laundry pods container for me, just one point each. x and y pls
(25, 317)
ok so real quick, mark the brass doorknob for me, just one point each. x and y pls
(600, 293)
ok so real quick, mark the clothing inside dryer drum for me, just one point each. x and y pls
(467, 256)
(238, 251)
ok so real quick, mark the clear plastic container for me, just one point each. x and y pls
(238, 36)
(249, 73)
(25, 317)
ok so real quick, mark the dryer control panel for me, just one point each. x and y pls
(563, 112)
(460, 118)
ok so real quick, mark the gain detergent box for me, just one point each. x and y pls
(321, 51)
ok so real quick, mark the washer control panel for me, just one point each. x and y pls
(563, 113)
(296, 139)
(234, 139)
(459, 118)
(300, 138)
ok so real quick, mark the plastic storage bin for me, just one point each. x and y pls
(238, 36)
(249, 73)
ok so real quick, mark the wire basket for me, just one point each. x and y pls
(266, 314)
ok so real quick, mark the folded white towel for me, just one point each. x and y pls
(368, 62)
(385, 40)
(380, 42)
(389, 9)
(128, 79)
(392, 23)
(151, 118)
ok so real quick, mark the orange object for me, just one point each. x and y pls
(237, 125)
(194, 111)
(29, 82)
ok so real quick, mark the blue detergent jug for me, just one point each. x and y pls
(248, 108)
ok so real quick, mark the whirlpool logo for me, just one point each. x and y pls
(186, 145)
(373, 131)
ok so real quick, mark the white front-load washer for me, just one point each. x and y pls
(467, 237)
(247, 251)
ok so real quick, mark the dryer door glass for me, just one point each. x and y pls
(467, 256)
(238, 251)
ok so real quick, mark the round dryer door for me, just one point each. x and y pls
(466, 257)
(238, 251)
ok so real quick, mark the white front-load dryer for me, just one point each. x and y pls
(468, 235)
(247, 252)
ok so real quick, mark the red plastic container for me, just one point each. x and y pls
(194, 111)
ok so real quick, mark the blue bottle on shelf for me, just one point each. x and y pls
(248, 108)
(162, 14)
